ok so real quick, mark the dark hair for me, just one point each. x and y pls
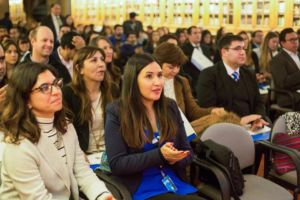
(219, 34)
(227, 39)
(66, 40)
(166, 37)
(17, 120)
(204, 33)
(169, 53)
(284, 32)
(117, 25)
(253, 34)
(189, 30)
(133, 114)
(54, 4)
(79, 87)
(131, 33)
(7, 43)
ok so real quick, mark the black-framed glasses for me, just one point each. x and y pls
(293, 40)
(46, 88)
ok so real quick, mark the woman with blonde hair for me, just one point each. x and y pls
(269, 49)
(86, 96)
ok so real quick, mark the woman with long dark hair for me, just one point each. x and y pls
(145, 140)
(86, 96)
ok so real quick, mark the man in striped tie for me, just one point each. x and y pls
(227, 84)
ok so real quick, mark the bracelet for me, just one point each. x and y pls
(101, 194)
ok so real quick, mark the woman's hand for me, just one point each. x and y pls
(171, 154)
(218, 111)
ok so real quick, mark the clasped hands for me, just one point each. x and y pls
(171, 154)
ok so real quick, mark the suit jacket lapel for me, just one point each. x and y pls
(50, 154)
(224, 77)
(289, 59)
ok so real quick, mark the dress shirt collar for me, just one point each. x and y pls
(230, 70)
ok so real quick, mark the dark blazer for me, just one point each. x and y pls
(213, 89)
(128, 164)
(47, 21)
(189, 67)
(60, 68)
(73, 103)
(128, 28)
(286, 75)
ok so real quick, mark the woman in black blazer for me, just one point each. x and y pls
(86, 97)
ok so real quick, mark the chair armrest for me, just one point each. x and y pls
(218, 173)
(292, 153)
(282, 91)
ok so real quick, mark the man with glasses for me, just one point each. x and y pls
(285, 68)
(227, 84)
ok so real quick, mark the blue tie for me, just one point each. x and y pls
(235, 76)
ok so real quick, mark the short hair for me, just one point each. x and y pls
(284, 32)
(117, 25)
(66, 40)
(227, 39)
(131, 33)
(54, 4)
(253, 34)
(169, 53)
(189, 30)
(166, 37)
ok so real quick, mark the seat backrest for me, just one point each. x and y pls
(234, 137)
(279, 126)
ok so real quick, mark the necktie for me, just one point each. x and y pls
(58, 21)
(235, 76)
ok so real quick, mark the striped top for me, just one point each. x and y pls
(47, 128)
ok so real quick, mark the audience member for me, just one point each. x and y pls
(11, 56)
(152, 42)
(3, 32)
(207, 40)
(68, 46)
(86, 96)
(114, 73)
(193, 44)
(269, 50)
(130, 47)
(285, 68)
(256, 39)
(132, 25)
(6, 21)
(23, 45)
(177, 87)
(181, 36)
(227, 84)
(118, 38)
(170, 38)
(70, 22)
(42, 46)
(3, 77)
(144, 136)
(50, 163)
(54, 21)
(14, 33)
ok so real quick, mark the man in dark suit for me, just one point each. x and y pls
(194, 38)
(229, 85)
(54, 21)
(132, 25)
(256, 39)
(285, 68)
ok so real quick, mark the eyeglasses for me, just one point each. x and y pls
(238, 48)
(46, 88)
(293, 40)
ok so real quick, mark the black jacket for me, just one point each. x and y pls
(213, 89)
(73, 103)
